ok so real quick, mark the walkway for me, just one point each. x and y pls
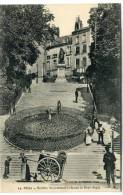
(47, 94)
(83, 163)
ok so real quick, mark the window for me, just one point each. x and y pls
(68, 50)
(65, 40)
(84, 38)
(84, 48)
(55, 62)
(48, 65)
(48, 57)
(77, 40)
(70, 40)
(77, 50)
(54, 56)
(77, 63)
(76, 26)
(68, 47)
(84, 61)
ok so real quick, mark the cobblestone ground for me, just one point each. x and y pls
(84, 163)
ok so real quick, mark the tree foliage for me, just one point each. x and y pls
(105, 24)
(24, 28)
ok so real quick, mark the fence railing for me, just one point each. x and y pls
(93, 99)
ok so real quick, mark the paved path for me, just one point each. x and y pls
(47, 94)
(82, 160)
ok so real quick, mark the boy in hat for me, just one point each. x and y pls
(100, 131)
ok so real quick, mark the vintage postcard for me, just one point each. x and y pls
(60, 98)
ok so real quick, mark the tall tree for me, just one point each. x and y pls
(23, 29)
(105, 24)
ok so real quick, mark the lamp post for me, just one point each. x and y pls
(112, 122)
(95, 32)
(87, 83)
(37, 72)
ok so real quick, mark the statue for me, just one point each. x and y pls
(61, 56)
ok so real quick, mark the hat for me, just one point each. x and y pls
(107, 147)
(42, 152)
(99, 124)
(21, 154)
(9, 158)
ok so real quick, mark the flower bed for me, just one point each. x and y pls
(31, 129)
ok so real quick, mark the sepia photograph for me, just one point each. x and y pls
(60, 97)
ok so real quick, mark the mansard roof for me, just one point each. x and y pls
(85, 29)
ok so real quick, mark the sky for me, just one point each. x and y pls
(65, 15)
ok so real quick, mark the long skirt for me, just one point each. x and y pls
(27, 173)
(88, 139)
(23, 171)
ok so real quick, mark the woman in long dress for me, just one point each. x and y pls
(88, 138)
(28, 175)
(23, 166)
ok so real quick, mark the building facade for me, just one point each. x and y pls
(76, 47)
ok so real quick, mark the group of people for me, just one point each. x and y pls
(26, 174)
(109, 157)
(94, 126)
(25, 170)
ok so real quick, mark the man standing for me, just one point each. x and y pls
(7, 171)
(61, 158)
(76, 96)
(109, 160)
(100, 131)
(58, 106)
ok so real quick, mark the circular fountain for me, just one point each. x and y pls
(32, 130)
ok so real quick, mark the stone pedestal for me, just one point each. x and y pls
(61, 73)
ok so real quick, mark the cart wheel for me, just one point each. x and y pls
(49, 169)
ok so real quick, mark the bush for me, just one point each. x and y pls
(48, 78)
(72, 78)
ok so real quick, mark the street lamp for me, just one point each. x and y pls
(87, 83)
(37, 72)
(112, 122)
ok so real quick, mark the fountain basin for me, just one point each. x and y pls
(32, 130)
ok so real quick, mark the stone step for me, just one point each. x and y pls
(79, 166)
